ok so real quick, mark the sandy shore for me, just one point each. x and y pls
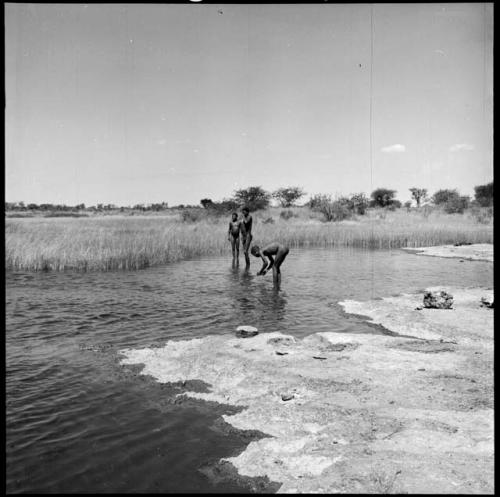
(474, 252)
(366, 413)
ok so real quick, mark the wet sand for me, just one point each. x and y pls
(474, 252)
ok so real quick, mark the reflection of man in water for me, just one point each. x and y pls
(257, 303)
(233, 235)
(246, 231)
(272, 249)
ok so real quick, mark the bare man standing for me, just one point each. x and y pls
(279, 251)
(246, 231)
(233, 235)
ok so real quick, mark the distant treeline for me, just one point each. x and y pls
(256, 198)
(21, 206)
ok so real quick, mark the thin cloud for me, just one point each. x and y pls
(392, 149)
(458, 147)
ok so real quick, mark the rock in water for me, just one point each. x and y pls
(438, 300)
(287, 396)
(246, 331)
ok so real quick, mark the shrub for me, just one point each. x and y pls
(426, 211)
(269, 220)
(226, 206)
(219, 208)
(192, 215)
(359, 203)
(288, 196)
(286, 215)
(64, 214)
(332, 210)
(457, 204)
(482, 215)
(382, 197)
(316, 200)
(451, 201)
(484, 195)
(206, 203)
(395, 204)
(443, 196)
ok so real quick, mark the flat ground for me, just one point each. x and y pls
(472, 252)
(365, 413)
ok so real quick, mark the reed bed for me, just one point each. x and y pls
(124, 242)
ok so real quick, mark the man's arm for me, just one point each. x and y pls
(267, 266)
(229, 232)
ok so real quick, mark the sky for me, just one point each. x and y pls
(131, 103)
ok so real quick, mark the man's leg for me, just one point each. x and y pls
(276, 275)
(233, 245)
(280, 257)
(246, 246)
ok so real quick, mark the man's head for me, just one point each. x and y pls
(245, 211)
(235, 216)
(255, 250)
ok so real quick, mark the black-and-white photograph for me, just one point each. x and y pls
(249, 248)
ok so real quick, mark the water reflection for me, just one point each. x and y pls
(273, 303)
(256, 297)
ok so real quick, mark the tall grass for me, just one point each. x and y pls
(124, 242)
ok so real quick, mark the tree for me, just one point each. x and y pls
(484, 195)
(418, 194)
(382, 197)
(206, 203)
(288, 196)
(11, 206)
(359, 202)
(444, 196)
(332, 210)
(254, 198)
(451, 201)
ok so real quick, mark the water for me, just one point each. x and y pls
(78, 421)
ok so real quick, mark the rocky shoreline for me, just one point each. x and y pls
(356, 412)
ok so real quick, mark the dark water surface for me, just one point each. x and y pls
(77, 421)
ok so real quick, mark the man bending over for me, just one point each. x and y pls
(279, 252)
